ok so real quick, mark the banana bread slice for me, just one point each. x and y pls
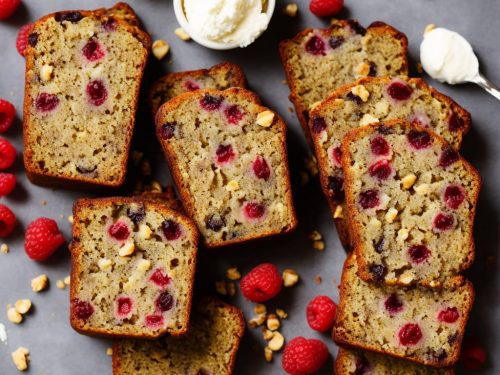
(411, 203)
(133, 263)
(209, 348)
(318, 61)
(83, 73)
(421, 325)
(228, 158)
(358, 362)
(369, 100)
(218, 77)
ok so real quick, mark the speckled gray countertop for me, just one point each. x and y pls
(57, 350)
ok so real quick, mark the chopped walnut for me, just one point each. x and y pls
(21, 358)
(290, 277)
(39, 283)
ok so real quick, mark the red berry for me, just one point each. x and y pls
(159, 278)
(7, 154)
(380, 146)
(454, 195)
(318, 124)
(93, 50)
(97, 92)
(261, 283)
(455, 122)
(419, 139)
(443, 222)
(304, 356)
(325, 8)
(123, 307)
(119, 231)
(399, 90)
(261, 168)
(46, 102)
(419, 253)
(153, 321)
(22, 38)
(191, 85)
(315, 46)
(43, 238)
(7, 221)
(211, 103)
(254, 210)
(7, 7)
(321, 312)
(167, 130)
(7, 183)
(164, 302)
(224, 154)
(381, 170)
(473, 355)
(234, 113)
(171, 230)
(369, 199)
(7, 115)
(410, 334)
(393, 304)
(448, 157)
(449, 315)
(82, 309)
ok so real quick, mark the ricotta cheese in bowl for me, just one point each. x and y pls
(224, 24)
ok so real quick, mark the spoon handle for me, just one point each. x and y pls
(487, 85)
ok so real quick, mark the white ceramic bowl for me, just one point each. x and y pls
(181, 18)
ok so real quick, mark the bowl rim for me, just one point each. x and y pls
(182, 19)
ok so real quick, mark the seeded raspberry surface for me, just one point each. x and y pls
(43, 238)
(304, 356)
(261, 283)
(321, 313)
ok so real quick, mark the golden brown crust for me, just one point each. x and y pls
(352, 210)
(171, 157)
(238, 316)
(345, 341)
(300, 109)
(51, 179)
(168, 197)
(239, 79)
(76, 266)
(341, 224)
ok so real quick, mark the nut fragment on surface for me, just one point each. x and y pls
(156, 187)
(260, 309)
(109, 351)
(265, 118)
(182, 34)
(318, 279)
(70, 219)
(315, 235)
(21, 358)
(406, 278)
(232, 273)
(268, 354)
(391, 215)
(291, 10)
(60, 284)
(319, 245)
(231, 289)
(232, 185)
(127, 249)
(39, 283)
(4, 248)
(144, 265)
(257, 320)
(403, 234)
(429, 28)
(408, 180)
(361, 92)
(67, 280)
(311, 165)
(367, 119)
(46, 72)
(104, 264)
(282, 313)
(267, 334)
(220, 288)
(422, 189)
(160, 49)
(145, 232)
(290, 277)
(273, 323)
(14, 316)
(363, 69)
(23, 306)
(276, 342)
(339, 212)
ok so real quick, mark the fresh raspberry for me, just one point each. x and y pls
(22, 38)
(7, 7)
(7, 115)
(473, 355)
(302, 356)
(43, 238)
(321, 313)
(261, 283)
(325, 8)
(7, 183)
(7, 221)
(7, 154)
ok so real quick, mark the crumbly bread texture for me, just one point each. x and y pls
(368, 101)
(219, 77)
(228, 158)
(133, 263)
(321, 60)
(83, 73)
(411, 203)
(209, 348)
(357, 362)
(417, 324)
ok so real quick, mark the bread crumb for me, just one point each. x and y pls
(156, 187)
(220, 288)
(182, 34)
(39, 283)
(291, 10)
(290, 109)
(311, 165)
(21, 358)
(60, 284)
(319, 245)
(429, 28)
(23, 306)
(146, 168)
(4, 248)
(318, 279)
(268, 354)
(109, 351)
(160, 49)
(338, 214)
(67, 280)
(361, 92)
(419, 68)
(315, 235)
(290, 277)
(70, 219)
(231, 289)
(282, 313)
(232, 273)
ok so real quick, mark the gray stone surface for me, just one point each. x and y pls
(57, 350)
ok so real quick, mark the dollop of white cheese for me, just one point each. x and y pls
(226, 21)
(448, 57)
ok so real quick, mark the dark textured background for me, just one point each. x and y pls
(57, 350)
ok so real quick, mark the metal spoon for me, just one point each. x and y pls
(486, 84)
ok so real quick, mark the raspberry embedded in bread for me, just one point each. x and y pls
(358, 362)
(409, 323)
(133, 265)
(233, 177)
(219, 77)
(420, 228)
(319, 61)
(82, 85)
(369, 100)
(210, 347)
